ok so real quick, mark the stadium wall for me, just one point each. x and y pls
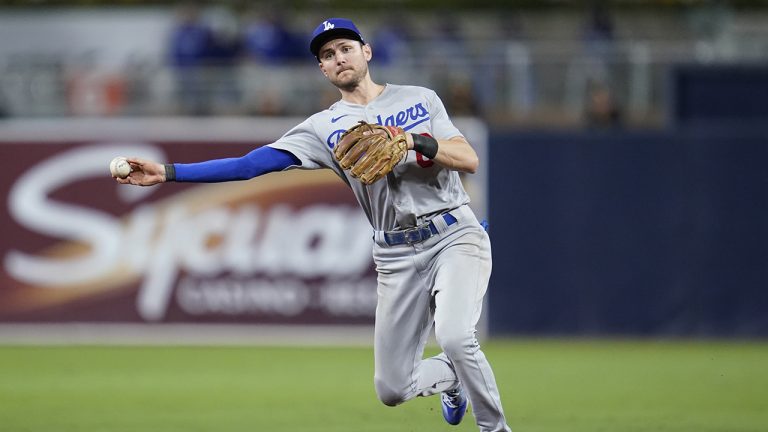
(594, 233)
(630, 233)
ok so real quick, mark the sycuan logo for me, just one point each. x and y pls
(258, 251)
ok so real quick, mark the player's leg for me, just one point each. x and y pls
(461, 273)
(403, 323)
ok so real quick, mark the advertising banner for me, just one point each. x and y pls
(285, 248)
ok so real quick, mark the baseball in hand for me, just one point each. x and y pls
(119, 167)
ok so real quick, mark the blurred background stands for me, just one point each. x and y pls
(573, 67)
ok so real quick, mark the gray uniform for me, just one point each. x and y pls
(442, 278)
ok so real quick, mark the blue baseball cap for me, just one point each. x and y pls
(333, 28)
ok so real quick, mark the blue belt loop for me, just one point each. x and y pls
(484, 224)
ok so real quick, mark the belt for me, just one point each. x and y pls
(416, 234)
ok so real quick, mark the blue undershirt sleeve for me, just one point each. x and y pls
(260, 161)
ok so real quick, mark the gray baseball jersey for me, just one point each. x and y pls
(417, 188)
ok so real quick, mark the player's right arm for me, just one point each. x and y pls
(455, 153)
(260, 161)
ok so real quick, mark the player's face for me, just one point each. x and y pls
(345, 62)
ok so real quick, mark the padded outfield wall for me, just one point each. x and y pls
(630, 233)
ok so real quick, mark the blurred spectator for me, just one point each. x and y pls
(92, 89)
(191, 46)
(391, 40)
(602, 110)
(225, 44)
(95, 93)
(595, 65)
(272, 104)
(138, 72)
(447, 54)
(506, 73)
(269, 40)
(460, 99)
(599, 38)
(447, 44)
(224, 56)
(599, 26)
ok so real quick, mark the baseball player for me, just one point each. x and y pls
(432, 257)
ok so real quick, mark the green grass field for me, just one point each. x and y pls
(570, 386)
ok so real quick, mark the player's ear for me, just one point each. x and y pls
(367, 52)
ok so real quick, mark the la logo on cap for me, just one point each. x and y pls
(333, 28)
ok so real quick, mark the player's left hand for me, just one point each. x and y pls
(371, 151)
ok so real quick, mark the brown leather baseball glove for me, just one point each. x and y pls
(370, 151)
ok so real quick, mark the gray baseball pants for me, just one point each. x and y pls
(442, 280)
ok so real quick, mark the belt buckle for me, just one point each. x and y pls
(412, 235)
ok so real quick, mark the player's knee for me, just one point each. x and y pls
(456, 344)
(388, 395)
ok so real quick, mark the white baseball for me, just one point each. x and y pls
(119, 167)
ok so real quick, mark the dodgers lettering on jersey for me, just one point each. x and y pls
(407, 118)
(417, 188)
